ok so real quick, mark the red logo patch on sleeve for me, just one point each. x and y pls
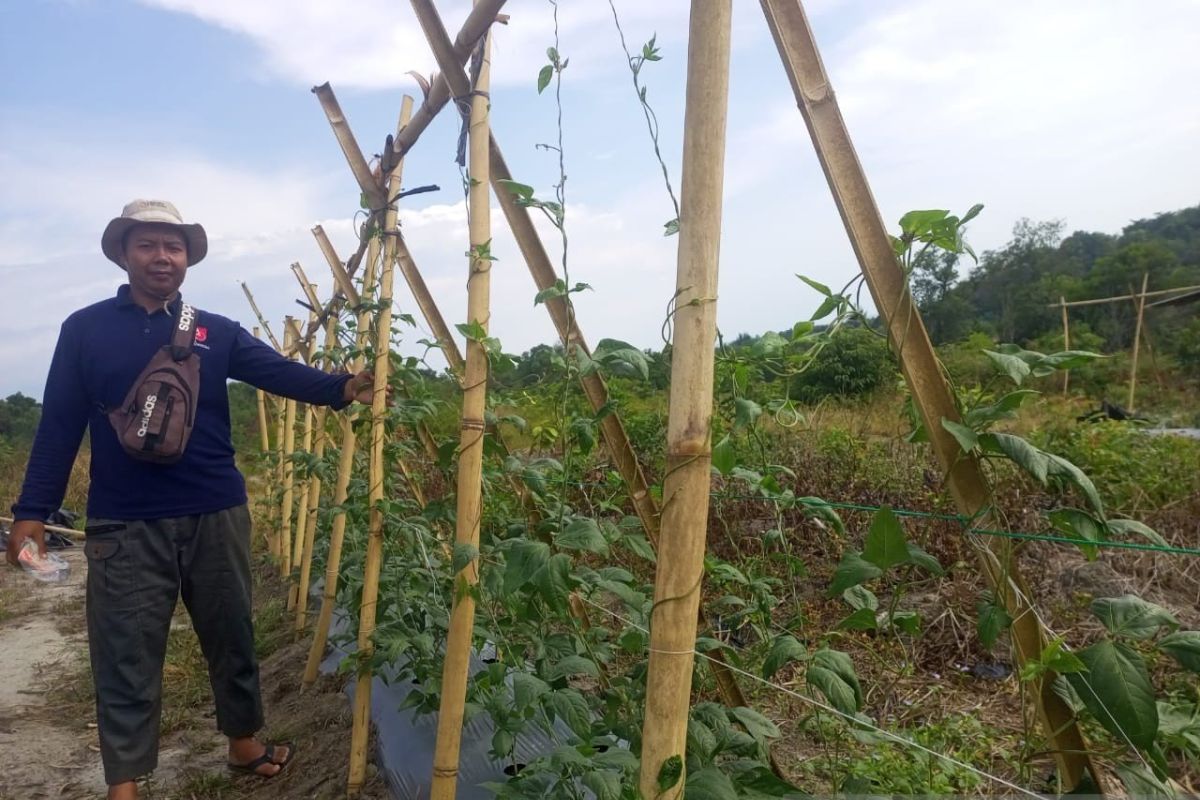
(201, 334)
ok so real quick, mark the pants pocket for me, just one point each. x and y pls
(109, 570)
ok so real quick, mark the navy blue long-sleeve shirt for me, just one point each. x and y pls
(101, 351)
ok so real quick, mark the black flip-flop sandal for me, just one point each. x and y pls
(251, 768)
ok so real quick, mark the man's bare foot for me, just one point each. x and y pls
(246, 750)
(123, 791)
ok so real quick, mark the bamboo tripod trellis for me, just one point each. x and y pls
(931, 393)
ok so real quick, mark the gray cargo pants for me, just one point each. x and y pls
(136, 571)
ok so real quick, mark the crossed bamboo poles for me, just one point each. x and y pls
(688, 453)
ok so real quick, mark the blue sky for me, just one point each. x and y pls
(1073, 110)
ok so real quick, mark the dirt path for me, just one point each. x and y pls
(48, 722)
(46, 716)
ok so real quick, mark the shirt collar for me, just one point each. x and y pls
(125, 298)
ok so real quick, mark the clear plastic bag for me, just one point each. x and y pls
(50, 568)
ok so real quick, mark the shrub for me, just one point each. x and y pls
(854, 364)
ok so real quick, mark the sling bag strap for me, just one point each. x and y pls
(183, 332)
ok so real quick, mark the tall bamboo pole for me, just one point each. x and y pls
(889, 288)
(1140, 303)
(612, 429)
(289, 445)
(263, 433)
(337, 531)
(1066, 341)
(470, 458)
(370, 595)
(261, 319)
(306, 446)
(276, 539)
(680, 566)
(314, 495)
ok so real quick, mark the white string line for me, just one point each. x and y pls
(823, 706)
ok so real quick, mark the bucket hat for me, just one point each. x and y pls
(138, 212)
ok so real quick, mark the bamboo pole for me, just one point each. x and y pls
(429, 310)
(374, 559)
(612, 429)
(289, 445)
(302, 494)
(353, 153)
(310, 291)
(337, 531)
(261, 396)
(680, 567)
(476, 25)
(314, 496)
(342, 278)
(1131, 296)
(261, 319)
(275, 541)
(1066, 341)
(1137, 342)
(932, 395)
(470, 458)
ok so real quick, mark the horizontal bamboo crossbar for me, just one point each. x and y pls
(1120, 298)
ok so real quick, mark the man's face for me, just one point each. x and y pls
(156, 259)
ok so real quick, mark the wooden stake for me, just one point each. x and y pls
(306, 446)
(932, 395)
(337, 532)
(680, 566)
(353, 153)
(342, 278)
(470, 458)
(1131, 296)
(374, 559)
(1140, 304)
(314, 496)
(1066, 342)
(289, 445)
(261, 319)
(275, 541)
(261, 396)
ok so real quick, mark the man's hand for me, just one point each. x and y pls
(22, 530)
(362, 388)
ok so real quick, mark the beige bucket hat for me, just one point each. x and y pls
(160, 211)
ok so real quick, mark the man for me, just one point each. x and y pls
(156, 531)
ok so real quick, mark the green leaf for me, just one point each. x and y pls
(1006, 407)
(521, 190)
(1019, 451)
(1064, 470)
(1080, 525)
(1141, 782)
(860, 597)
(464, 554)
(671, 227)
(583, 534)
(755, 779)
(885, 545)
(544, 77)
(605, 784)
(573, 665)
(670, 772)
(1117, 691)
(1123, 527)
(1184, 647)
(522, 560)
(553, 580)
(527, 689)
(827, 307)
(746, 412)
(502, 743)
(861, 620)
(916, 223)
(559, 289)
(784, 650)
(993, 620)
(832, 673)
(709, 783)
(820, 287)
(851, 571)
(569, 706)
(919, 558)
(758, 726)
(1012, 366)
(1132, 616)
(966, 438)
(724, 459)
(639, 545)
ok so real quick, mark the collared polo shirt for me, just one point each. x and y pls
(101, 350)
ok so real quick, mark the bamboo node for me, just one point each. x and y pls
(472, 425)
